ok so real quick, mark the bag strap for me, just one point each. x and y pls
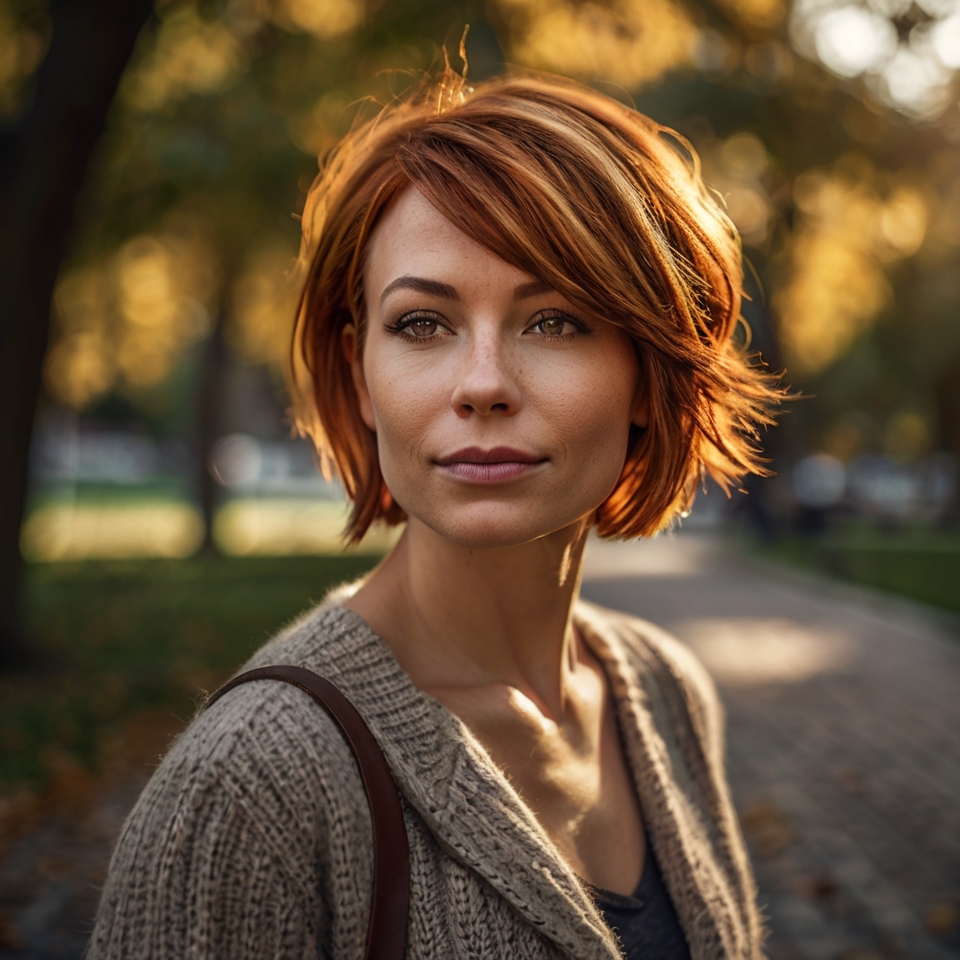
(387, 933)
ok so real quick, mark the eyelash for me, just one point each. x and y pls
(399, 326)
(581, 325)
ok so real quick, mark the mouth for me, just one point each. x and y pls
(489, 466)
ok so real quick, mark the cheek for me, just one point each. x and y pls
(598, 408)
(402, 408)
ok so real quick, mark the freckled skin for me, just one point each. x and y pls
(488, 382)
(475, 599)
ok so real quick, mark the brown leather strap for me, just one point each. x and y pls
(387, 933)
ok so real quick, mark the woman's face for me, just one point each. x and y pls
(501, 413)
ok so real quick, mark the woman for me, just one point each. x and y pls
(517, 325)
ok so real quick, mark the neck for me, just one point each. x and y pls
(461, 617)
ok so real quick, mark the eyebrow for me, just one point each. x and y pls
(535, 288)
(421, 285)
(524, 291)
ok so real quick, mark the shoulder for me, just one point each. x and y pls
(252, 806)
(264, 758)
(269, 745)
(654, 656)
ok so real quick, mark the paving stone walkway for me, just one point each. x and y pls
(843, 714)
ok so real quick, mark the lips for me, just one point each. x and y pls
(476, 465)
(496, 455)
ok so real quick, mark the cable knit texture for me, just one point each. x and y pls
(253, 838)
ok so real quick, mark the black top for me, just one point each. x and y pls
(646, 923)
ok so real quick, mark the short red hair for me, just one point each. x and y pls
(586, 195)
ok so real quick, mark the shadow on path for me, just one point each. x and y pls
(843, 713)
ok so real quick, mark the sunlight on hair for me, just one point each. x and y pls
(283, 527)
(746, 651)
(66, 531)
(632, 42)
(682, 304)
(848, 229)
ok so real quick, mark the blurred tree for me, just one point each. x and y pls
(43, 159)
(830, 129)
(215, 130)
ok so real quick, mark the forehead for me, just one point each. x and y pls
(414, 238)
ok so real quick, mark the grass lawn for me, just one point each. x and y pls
(126, 647)
(918, 565)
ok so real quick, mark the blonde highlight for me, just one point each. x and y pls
(586, 195)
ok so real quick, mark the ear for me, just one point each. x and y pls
(353, 355)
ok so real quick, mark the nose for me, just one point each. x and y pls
(486, 381)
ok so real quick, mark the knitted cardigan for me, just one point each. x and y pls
(253, 838)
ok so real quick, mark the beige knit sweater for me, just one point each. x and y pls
(253, 838)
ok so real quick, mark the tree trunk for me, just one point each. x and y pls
(209, 425)
(43, 163)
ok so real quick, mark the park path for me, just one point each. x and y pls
(843, 718)
(843, 722)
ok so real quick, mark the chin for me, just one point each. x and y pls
(493, 526)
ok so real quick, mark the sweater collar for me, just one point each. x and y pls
(449, 779)
(679, 800)
(446, 775)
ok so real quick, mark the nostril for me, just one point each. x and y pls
(484, 389)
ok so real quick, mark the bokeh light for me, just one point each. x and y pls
(825, 127)
(630, 42)
(128, 318)
(907, 54)
(847, 231)
(23, 43)
(111, 531)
